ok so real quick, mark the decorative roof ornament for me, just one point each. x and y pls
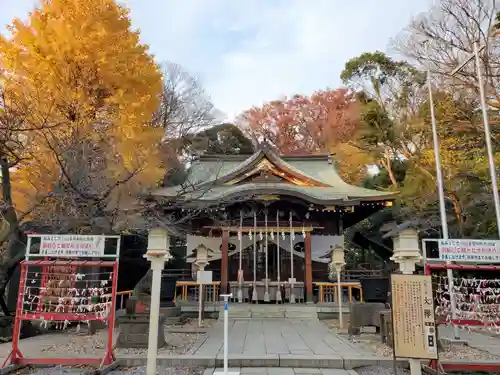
(261, 235)
(250, 235)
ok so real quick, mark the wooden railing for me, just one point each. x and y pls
(121, 297)
(327, 292)
(188, 291)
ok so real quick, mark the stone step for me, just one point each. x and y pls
(240, 311)
(290, 314)
(265, 316)
(269, 360)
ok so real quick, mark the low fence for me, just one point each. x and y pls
(188, 291)
(328, 292)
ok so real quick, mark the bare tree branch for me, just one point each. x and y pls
(185, 107)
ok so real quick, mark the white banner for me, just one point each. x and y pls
(72, 245)
(481, 251)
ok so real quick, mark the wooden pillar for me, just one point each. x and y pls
(308, 260)
(224, 262)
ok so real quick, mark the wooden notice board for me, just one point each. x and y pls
(414, 328)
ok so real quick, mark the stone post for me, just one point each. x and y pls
(201, 262)
(407, 255)
(308, 266)
(158, 253)
(224, 279)
(338, 262)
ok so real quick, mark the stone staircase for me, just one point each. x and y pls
(270, 311)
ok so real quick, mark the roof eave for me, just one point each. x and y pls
(186, 202)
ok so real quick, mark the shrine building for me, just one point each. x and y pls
(266, 223)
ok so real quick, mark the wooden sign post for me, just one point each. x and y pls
(414, 327)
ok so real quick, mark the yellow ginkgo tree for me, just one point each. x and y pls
(91, 89)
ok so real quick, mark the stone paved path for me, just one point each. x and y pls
(283, 371)
(277, 336)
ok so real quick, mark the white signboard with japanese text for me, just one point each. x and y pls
(414, 327)
(481, 251)
(72, 246)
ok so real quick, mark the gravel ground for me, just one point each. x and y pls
(177, 342)
(371, 343)
(68, 343)
(381, 370)
(163, 371)
(82, 344)
(123, 371)
(66, 370)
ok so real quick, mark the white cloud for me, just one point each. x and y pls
(301, 46)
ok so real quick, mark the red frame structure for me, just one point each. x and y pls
(450, 366)
(17, 358)
(463, 267)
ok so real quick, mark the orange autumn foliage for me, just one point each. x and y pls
(326, 121)
(83, 73)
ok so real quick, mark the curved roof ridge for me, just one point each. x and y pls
(278, 160)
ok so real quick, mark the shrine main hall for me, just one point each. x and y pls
(266, 224)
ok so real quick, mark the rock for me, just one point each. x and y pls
(134, 331)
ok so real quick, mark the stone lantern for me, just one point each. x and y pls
(406, 250)
(338, 262)
(201, 257)
(158, 253)
(338, 257)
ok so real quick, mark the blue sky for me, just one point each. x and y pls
(248, 52)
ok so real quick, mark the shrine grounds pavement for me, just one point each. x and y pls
(263, 343)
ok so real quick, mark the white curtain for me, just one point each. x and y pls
(320, 244)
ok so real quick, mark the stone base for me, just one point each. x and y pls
(386, 327)
(170, 311)
(364, 314)
(134, 331)
(448, 342)
(173, 315)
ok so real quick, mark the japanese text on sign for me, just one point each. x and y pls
(66, 246)
(487, 251)
(413, 317)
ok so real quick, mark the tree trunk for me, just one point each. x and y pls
(14, 252)
(457, 209)
(386, 162)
